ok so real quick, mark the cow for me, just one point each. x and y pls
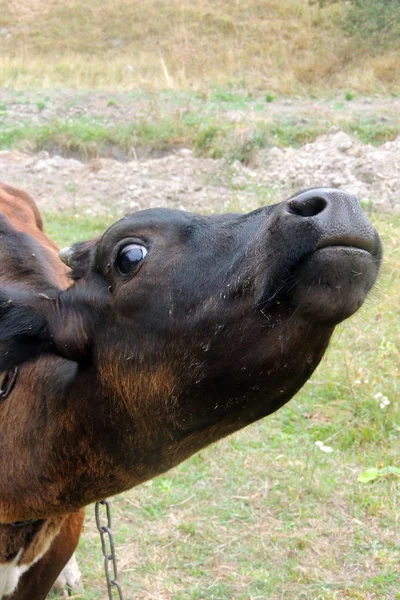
(152, 341)
(30, 258)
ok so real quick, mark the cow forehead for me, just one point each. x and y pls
(156, 218)
(146, 226)
(171, 221)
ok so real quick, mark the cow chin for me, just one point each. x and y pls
(333, 283)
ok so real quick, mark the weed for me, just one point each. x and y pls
(373, 473)
(207, 141)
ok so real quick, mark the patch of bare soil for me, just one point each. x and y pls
(181, 180)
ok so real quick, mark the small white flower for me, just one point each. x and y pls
(384, 402)
(357, 381)
(322, 447)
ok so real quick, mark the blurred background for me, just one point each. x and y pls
(281, 47)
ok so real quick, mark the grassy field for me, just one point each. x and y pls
(223, 123)
(266, 513)
(290, 47)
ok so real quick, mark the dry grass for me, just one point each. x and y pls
(285, 47)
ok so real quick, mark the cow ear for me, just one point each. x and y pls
(79, 257)
(33, 324)
(24, 333)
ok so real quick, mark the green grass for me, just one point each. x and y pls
(66, 228)
(206, 131)
(265, 514)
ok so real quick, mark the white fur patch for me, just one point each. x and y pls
(10, 572)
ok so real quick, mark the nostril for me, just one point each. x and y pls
(307, 207)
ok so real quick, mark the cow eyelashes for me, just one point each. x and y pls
(130, 258)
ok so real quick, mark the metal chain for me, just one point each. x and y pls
(108, 549)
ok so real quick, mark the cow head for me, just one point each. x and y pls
(198, 325)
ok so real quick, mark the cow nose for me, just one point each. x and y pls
(307, 204)
(336, 216)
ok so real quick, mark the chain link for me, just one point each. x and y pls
(108, 549)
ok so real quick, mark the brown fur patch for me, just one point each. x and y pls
(25, 217)
(140, 389)
(34, 538)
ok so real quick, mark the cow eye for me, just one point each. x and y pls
(129, 258)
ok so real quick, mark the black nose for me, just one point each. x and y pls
(336, 215)
(307, 204)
